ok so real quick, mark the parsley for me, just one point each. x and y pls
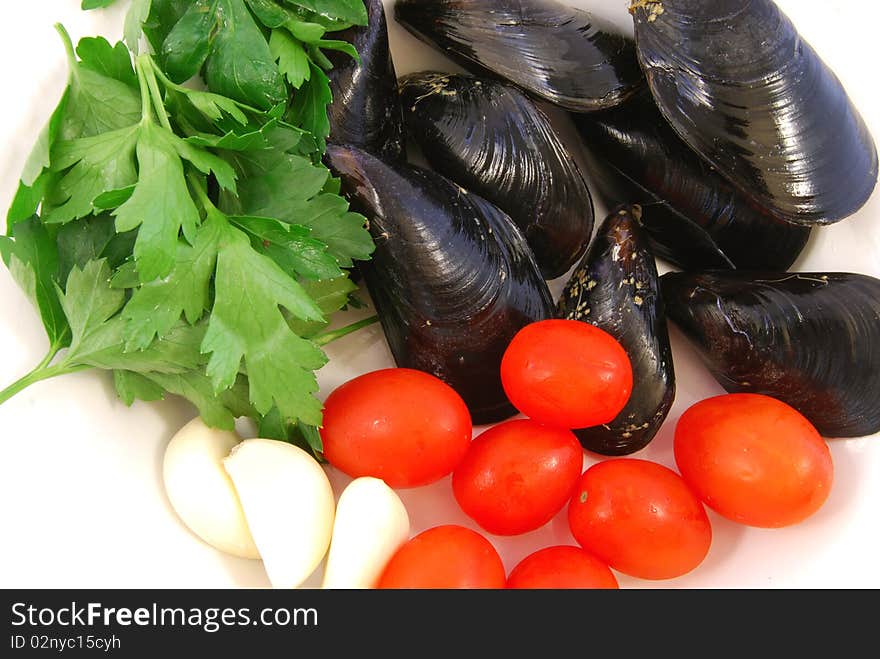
(190, 240)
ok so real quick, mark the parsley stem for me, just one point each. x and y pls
(326, 337)
(148, 72)
(41, 372)
(146, 110)
(68, 46)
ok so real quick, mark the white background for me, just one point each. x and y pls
(81, 501)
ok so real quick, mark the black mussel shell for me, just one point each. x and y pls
(811, 340)
(490, 138)
(563, 55)
(743, 89)
(452, 278)
(365, 111)
(695, 218)
(616, 288)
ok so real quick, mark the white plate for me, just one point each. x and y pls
(82, 502)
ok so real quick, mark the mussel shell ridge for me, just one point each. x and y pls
(452, 278)
(616, 288)
(694, 217)
(493, 140)
(563, 55)
(739, 84)
(365, 111)
(811, 340)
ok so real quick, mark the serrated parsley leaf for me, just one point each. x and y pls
(32, 258)
(309, 107)
(156, 306)
(293, 61)
(240, 65)
(159, 207)
(290, 246)
(97, 54)
(134, 20)
(96, 103)
(217, 410)
(247, 324)
(96, 164)
(131, 386)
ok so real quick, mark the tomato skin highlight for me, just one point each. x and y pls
(448, 556)
(561, 567)
(404, 426)
(753, 459)
(566, 373)
(517, 475)
(640, 518)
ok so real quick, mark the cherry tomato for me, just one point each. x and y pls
(753, 459)
(640, 518)
(561, 567)
(448, 556)
(517, 475)
(404, 426)
(566, 373)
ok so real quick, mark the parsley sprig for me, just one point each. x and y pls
(185, 237)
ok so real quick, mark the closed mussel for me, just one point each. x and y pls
(365, 111)
(616, 288)
(739, 84)
(490, 138)
(811, 340)
(563, 55)
(694, 217)
(452, 278)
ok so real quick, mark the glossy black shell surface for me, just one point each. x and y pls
(563, 55)
(811, 340)
(695, 218)
(490, 138)
(616, 288)
(452, 278)
(365, 111)
(739, 84)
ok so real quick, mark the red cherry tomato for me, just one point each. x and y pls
(561, 567)
(447, 556)
(517, 475)
(753, 459)
(566, 373)
(639, 517)
(404, 426)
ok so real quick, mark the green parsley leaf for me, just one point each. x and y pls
(160, 206)
(97, 54)
(131, 386)
(290, 246)
(32, 257)
(241, 65)
(247, 324)
(330, 295)
(96, 4)
(217, 410)
(95, 103)
(309, 107)
(96, 164)
(134, 19)
(351, 11)
(293, 61)
(156, 306)
(189, 42)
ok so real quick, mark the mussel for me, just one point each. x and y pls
(563, 55)
(452, 278)
(490, 138)
(740, 85)
(616, 288)
(365, 111)
(811, 340)
(694, 217)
